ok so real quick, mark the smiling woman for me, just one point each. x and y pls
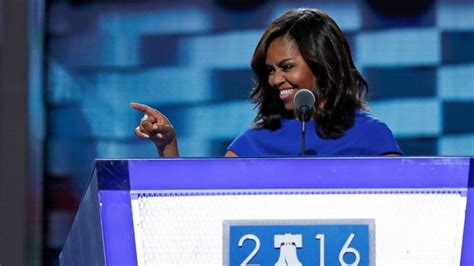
(302, 49)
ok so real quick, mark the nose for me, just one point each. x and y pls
(277, 79)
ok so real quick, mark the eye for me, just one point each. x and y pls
(270, 70)
(286, 67)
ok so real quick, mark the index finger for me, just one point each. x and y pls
(145, 109)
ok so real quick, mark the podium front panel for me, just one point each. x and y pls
(415, 227)
(173, 212)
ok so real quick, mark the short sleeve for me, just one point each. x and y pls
(241, 144)
(381, 140)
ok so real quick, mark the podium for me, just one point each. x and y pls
(239, 211)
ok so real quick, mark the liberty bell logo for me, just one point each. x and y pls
(288, 244)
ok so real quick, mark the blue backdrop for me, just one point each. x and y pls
(190, 59)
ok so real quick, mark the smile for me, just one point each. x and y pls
(286, 93)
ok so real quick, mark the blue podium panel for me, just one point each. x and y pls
(278, 211)
(303, 242)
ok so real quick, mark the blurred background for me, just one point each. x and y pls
(70, 68)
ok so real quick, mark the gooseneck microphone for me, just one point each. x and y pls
(304, 109)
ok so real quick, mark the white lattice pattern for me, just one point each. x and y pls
(411, 228)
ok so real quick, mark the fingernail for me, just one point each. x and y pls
(159, 135)
(146, 136)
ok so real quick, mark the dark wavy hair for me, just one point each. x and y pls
(340, 88)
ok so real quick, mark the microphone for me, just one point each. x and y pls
(304, 104)
(304, 109)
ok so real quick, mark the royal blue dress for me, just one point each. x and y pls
(368, 137)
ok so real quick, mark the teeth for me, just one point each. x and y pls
(286, 92)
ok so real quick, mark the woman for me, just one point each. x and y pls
(304, 48)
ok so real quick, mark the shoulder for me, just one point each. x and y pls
(368, 122)
(244, 144)
(375, 134)
(256, 142)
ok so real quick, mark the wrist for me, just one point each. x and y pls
(168, 150)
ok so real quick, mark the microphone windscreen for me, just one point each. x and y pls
(304, 97)
(304, 104)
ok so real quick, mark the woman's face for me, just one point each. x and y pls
(287, 70)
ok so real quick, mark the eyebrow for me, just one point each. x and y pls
(281, 62)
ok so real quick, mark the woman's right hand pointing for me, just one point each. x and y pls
(157, 128)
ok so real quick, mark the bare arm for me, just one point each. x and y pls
(230, 154)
